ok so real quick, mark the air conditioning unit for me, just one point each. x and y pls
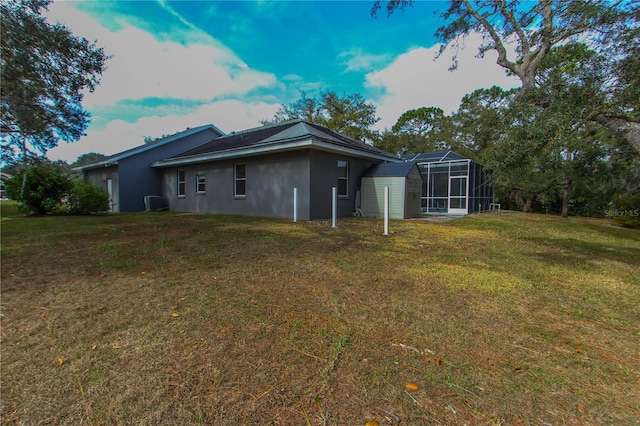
(152, 203)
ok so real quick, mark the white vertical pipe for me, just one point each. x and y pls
(386, 210)
(334, 206)
(295, 204)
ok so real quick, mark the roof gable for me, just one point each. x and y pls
(113, 159)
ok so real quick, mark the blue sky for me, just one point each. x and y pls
(233, 63)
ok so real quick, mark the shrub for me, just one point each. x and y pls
(627, 213)
(41, 191)
(85, 198)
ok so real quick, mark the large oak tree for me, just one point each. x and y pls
(45, 72)
(524, 32)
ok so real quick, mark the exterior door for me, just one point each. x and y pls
(458, 195)
(110, 192)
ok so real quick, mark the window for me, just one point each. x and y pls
(200, 183)
(239, 181)
(343, 178)
(182, 184)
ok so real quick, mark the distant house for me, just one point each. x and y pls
(288, 169)
(3, 177)
(452, 184)
(127, 176)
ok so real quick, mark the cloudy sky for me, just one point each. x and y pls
(183, 64)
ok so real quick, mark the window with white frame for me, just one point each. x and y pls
(239, 181)
(200, 183)
(182, 183)
(343, 178)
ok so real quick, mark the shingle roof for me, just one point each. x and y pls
(113, 159)
(390, 170)
(292, 134)
(431, 157)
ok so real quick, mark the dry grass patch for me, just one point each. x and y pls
(198, 319)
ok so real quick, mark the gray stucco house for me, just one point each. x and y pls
(127, 176)
(255, 172)
(288, 169)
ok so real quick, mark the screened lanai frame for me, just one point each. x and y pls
(453, 184)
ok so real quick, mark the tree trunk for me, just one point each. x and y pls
(565, 198)
(516, 195)
(528, 207)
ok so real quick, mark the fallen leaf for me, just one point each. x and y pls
(372, 423)
(438, 361)
(412, 386)
(43, 314)
(175, 314)
(60, 361)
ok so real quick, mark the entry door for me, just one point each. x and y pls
(458, 195)
(110, 192)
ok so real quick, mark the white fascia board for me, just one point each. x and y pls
(94, 166)
(276, 147)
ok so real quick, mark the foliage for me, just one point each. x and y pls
(417, 130)
(39, 190)
(45, 71)
(349, 115)
(85, 198)
(627, 212)
(87, 158)
(18, 165)
(535, 28)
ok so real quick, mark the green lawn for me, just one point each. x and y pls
(173, 318)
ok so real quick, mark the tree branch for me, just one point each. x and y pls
(498, 45)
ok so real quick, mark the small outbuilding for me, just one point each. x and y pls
(405, 185)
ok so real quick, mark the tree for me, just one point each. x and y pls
(45, 71)
(349, 115)
(87, 158)
(563, 149)
(417, 130)
(475, 126)
(534, 28)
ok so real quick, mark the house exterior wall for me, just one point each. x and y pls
(99, 178)
(136, 178)
(324, 176)
(270, 180)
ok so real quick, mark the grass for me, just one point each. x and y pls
(176, 318)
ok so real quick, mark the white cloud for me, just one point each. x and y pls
(195, 68)
(416, 80)
(357, 60)
(228, 115)
(143, 66)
